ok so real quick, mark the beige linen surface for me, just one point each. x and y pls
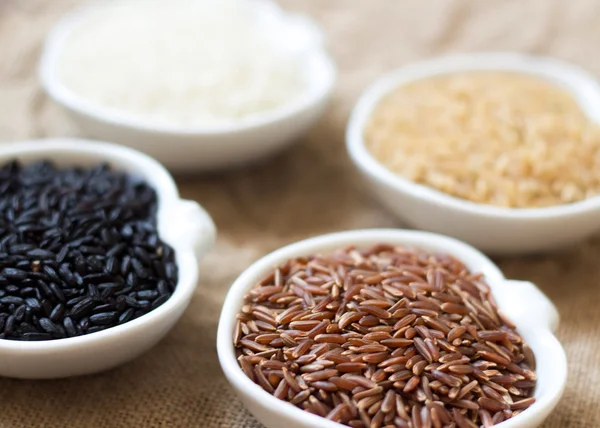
(309, 190)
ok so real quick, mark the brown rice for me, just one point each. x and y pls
(504, 139)
(387, 336)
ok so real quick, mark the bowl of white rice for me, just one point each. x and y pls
(200, 85)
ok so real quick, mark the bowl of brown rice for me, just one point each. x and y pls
(389, 327)
(499, 150)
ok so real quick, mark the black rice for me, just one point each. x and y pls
(79, 251)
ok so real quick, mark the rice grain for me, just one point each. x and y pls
(541, 148)
(80, 250)
(433, 352)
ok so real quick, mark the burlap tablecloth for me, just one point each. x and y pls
(309, 190)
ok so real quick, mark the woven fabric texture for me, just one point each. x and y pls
(309, 190)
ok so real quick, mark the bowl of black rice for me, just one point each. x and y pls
(98, 256)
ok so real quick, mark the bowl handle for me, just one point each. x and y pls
(530, 303)
(200, 230)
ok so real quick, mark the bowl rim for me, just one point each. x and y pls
(168, 204)
(577, 81)
(426, 240)
(319, 85)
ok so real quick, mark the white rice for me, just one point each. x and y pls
(180, 62)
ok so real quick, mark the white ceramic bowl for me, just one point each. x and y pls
(531, 311)
(200, 149)
(182, 224)
(489, 228)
